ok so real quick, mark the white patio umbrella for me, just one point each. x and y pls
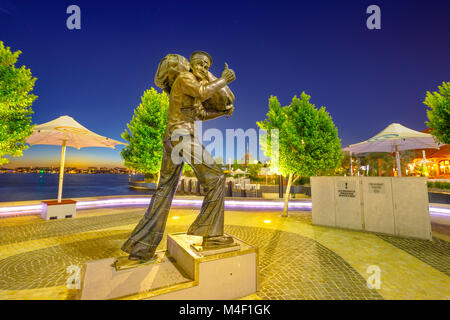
(66, 132)
(395, 138)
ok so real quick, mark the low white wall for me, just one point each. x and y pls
(390, 205)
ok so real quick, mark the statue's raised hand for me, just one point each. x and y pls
(229, 110)
(228, 74)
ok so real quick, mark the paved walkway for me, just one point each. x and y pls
(297, 260)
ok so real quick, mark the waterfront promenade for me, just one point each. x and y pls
(297, 260)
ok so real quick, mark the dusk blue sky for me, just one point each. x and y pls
(366, 79)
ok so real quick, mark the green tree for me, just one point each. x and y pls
(188, 171)
(253, 171)
(236, 165)
(406, 157)
(380, 163)
(345, 167)
(439, 113)
(15, 104)
(144, 135)
(308, 139)
(219, 161)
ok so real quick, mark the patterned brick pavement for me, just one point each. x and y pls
(435, 253)
(34, 254)
(294, 267)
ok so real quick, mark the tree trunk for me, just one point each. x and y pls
(286, 196)
(280, 186)
(157, 178)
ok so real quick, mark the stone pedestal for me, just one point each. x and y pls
(58, 210)
(181, 272)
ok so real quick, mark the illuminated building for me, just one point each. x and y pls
(437, 162)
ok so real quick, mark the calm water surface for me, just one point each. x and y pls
(35, 186)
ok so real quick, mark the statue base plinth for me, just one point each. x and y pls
(179, 273)
(123, 263)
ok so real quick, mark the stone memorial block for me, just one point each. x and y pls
(323, 209)
(389, 205)
(412, 217)
(348, 202)
(378, 206)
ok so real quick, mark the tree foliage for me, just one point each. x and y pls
(144, 135)
(15, 104)
(439, 113)
(308, 139)
(254, 169)
(379, 164)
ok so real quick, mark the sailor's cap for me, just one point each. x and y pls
(198, 54)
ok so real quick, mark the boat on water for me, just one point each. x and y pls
(142, 185)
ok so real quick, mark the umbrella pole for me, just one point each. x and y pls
(397, 157)
(61, 170)
(351, 164)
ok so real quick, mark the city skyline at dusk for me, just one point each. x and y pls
(48, 156)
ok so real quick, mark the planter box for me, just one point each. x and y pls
(58, 210)
(271, 195)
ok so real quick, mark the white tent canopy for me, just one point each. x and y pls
(66, 132)
(66, 128)
(395, 138)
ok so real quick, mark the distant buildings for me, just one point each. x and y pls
(436, 162)
(92, 170)
(67, 170)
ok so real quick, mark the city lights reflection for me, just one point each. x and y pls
(144, 201)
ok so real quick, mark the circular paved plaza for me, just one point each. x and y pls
(297, 260)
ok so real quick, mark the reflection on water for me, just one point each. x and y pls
(38, 186)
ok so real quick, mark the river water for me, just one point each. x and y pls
(35, 186)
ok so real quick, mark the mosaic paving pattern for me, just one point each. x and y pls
(20, 271)
(301, 216)
(292, 266)
(296, 267)
(44, 229)
(435, 253)
(47, 267)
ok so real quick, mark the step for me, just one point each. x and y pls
(101, 281)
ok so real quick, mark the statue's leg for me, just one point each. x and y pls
(148, 233)
(209, 222)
